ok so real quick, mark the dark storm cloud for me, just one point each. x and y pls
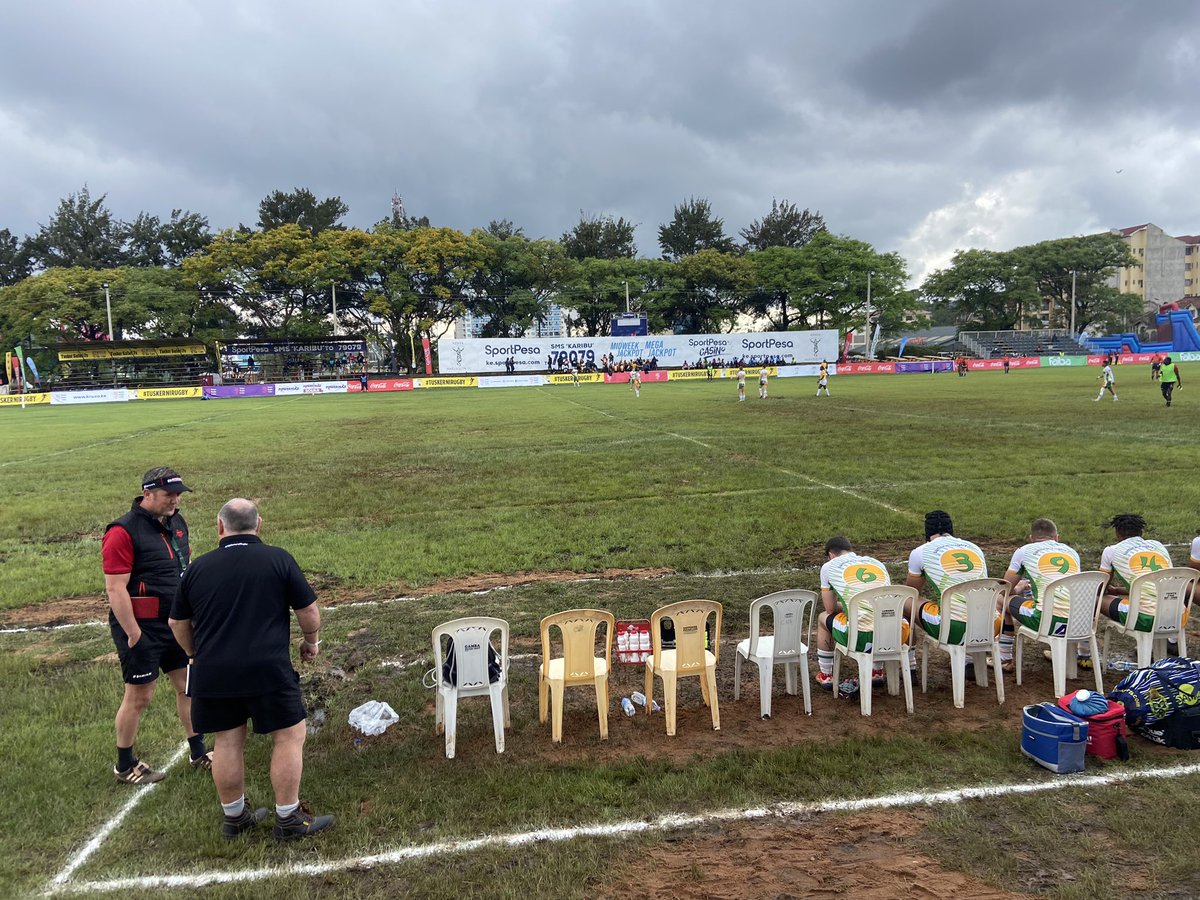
(918, 126)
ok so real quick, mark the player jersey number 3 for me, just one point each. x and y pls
(961, 560)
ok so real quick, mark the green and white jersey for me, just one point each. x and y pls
(850, 573)
(1133, 557)
(1042, 563)
(947, 561)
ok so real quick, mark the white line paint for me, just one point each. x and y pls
(617, 829)
(140, 794)
(33, 628)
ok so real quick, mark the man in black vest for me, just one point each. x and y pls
(233, 617)
(144, 554)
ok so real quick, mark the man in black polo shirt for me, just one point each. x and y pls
(143, 554)
(232, 616)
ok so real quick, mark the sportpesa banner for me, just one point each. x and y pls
(488, 355)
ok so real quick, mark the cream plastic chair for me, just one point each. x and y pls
(888, 646)
(578, 665)
(787, 646)
(1081, 594)
(471, 636)
(688, 658)
(1168, 595)
(979, 601)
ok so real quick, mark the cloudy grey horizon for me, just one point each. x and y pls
(922, 127)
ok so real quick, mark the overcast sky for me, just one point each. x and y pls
(920, 126)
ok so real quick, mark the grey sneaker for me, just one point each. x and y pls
(235, 825)
(299, 824)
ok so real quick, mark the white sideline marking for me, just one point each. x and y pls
(613, 829)
(110, 826)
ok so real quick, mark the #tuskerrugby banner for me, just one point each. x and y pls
(488, 355)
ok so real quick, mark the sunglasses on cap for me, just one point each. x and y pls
(172, 484)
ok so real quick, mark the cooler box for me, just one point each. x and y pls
(1103, 728)
(1054, 738)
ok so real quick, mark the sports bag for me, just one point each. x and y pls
(1154, 696)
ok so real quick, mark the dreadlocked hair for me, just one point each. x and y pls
(1128, 525)
(938, 522)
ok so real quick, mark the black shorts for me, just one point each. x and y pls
(269, 712)
(156, 650)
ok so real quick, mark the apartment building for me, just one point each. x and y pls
(1166, 268)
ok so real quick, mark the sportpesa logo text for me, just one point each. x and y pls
(492, 350)
(768, 344)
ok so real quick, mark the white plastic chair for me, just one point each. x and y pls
(1170, 590)
(472, 637)
(888, 646)
(787, 646)
(979, 601)
(1081, 593)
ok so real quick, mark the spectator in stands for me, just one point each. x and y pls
(845, 574)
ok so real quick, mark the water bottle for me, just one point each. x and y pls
(1122, 665)
(627, 707)
(638, 697)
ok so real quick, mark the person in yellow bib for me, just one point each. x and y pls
(1169, 380)
(844, 575)
(1131, 556)
(1032, 572)
(940, 563)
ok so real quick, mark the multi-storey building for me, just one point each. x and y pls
(1165, 268)
(471, 326)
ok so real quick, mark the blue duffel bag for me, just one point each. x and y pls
(1054, 738)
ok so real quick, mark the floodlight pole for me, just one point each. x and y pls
(333, 288)
(1072, 304)
(108, 308)
(867, 334)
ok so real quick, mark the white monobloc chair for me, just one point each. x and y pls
(978, 602)
(471, 637)
(1081, 594)
(888, 646)
(1168, 590)
(787, 646)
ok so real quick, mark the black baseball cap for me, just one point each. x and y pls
(172, 484)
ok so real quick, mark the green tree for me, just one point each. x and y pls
(516, 280)
(1093, 259)
(783, 226)
(15, 263)
(595, 293)
(987, 289)
(300, 207)
(151, 242)
(81, 233)
(832, 290)
(600, 238)
(692, 229)
(711, 287)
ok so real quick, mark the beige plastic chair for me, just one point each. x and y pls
(888, 647)
(688, 658)
(787, 646)
(578, 665)
(471, 636)
(979, 601)
(1167, 591)
(1081, 594)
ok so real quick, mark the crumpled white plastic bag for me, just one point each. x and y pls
(373, 717)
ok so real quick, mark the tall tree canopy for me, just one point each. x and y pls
(783, 226)
(82, 232)
(600, 238)
(300, 207)
(693, 228)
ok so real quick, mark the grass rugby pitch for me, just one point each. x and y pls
(553, 498)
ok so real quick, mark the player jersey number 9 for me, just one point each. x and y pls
(1056, 564)
(961, 560)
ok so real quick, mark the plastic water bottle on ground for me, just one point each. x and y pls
(627, 707)
(1122, 665)
(638, 698)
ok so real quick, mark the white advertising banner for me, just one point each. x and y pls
(511, 381)
(310, 387)
(488, 355)
(109, 395)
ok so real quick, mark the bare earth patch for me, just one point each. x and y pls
(871, 856)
